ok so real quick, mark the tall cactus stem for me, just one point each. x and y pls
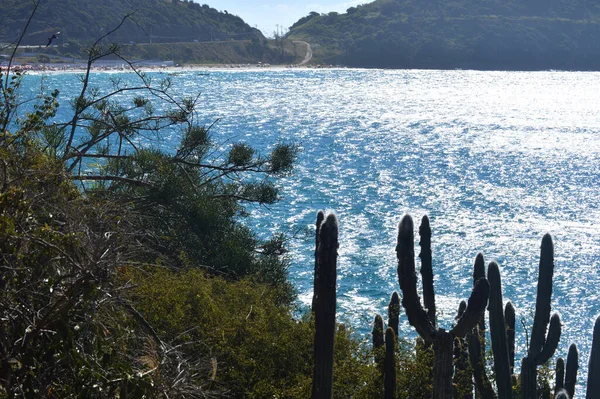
(407, 278)
(462, 373)
(427, 269)
(498, 334)
(541, 347)
(325, 310)
(559, 376)
(394, 313)
(571, 370)
(320, 218)
(543, 300)
(509, 318)
(378, 341)
(483, 386)
(389, 374)
(593, 385)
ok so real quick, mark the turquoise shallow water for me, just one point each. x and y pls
(496, 159)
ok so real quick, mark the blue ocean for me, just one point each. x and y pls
(495, 159)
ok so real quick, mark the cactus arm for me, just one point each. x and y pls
(394, 312)
(463, 375)
(559, 379)
(427, 269)
(479, 272)
(544, 294)
(475, 309)
(498, 333)
(552, 339)
(509, 318)
(378, 341)
(571, 370)
(389, 374)
(407, 277)
(325, 311)
(320, 218)
(482, 383)
(593, 385)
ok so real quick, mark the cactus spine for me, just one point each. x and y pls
(441, 339)
(324, 311)
(571, 370)
(389, 368)
(593, 385)
(394, 313)
(541, 347)
(498, 334)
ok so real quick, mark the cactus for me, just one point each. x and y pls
(509, 318)
(462, 374)
(389, 373)
(571, 370)
(394, 313)
(541, 347)
(479, 272)
(498, 334)
(325, 301)
(427, 269)
(320, 218)
(559, 379)
(419, 318)
(593, 385)
(483, 387)
(378, 341)
(562, 394)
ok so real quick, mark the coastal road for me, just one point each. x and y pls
(309, 53)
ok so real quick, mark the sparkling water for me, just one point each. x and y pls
(496, 159)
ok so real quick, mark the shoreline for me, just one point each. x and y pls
(124, 68)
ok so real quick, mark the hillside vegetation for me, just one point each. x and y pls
(484, 34)
(80, 21)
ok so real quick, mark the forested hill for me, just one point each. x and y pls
(80, 21)
(478, 34)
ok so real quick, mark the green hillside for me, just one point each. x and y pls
(80, 21)
(478, 34)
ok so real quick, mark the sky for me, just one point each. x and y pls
(269, 15)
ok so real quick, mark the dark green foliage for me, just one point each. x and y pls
(394, 313)
(541, 346)
(498, 334)
(571, 370)
(389, 368)
(324, 312)
(457, 34)
(154, 20)
(593, 382)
